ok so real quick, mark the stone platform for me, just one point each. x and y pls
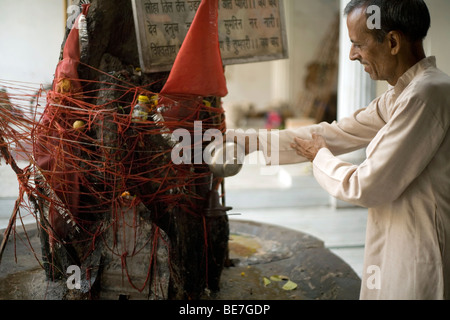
(260, 255)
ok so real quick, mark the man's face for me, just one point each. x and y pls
(373, 55)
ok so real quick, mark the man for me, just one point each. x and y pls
(405, 179)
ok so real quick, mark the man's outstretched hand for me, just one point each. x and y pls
(309, 148)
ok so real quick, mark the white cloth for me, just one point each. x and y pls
(404, 181)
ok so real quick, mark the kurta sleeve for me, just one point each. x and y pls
(347, 135)
(397, 155)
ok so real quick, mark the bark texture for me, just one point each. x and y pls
(183, 252)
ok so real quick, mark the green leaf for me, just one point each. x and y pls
(266, 281)
(275, 278)
(279, 278)
(290, 285)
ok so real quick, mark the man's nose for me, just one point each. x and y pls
(354, 55)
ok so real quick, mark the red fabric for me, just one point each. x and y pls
(67, 67)
(198, 68)
(51, 154)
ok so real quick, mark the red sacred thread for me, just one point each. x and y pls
(87, 158)
(152, 263)
(71, 168)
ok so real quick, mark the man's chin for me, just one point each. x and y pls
(368, 70)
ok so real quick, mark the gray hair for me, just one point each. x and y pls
(410, 17)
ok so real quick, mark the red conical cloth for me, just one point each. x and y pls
(198, 68)
(54, 127)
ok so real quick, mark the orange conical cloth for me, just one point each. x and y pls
(198, 68)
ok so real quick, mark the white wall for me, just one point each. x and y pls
(31, 33)
(266, 83)
(438, 40)
(307, 21)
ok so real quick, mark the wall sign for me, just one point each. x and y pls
(249, 30)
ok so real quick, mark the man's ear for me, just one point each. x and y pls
(394, 40)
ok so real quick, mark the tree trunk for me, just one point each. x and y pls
(173, 246)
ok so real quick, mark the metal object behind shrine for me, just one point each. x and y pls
(226, 158)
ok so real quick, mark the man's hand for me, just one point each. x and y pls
(309, 148)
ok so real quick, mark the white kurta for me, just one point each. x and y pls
(405, 182)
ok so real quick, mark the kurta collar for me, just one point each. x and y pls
(409, 75)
